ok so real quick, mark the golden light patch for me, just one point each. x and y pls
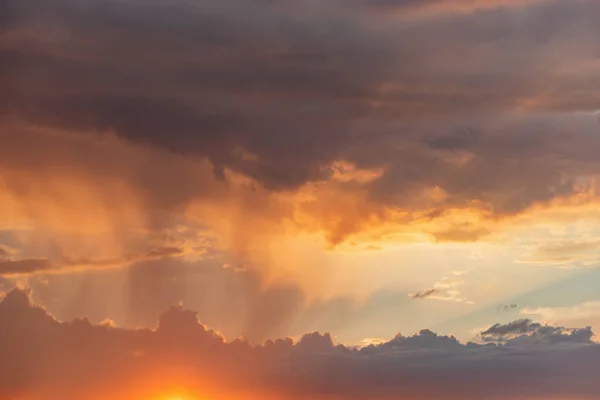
(178, 397)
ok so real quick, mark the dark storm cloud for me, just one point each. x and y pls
(279, 90)
(41, 353)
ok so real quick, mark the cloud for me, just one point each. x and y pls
(128, 126)
(519, 327)
(94, 199)
(525, 330)
(586, 313)
(5, 251)
(238, 303)
(567, 253)
(165, 136)
(446, 289)
(304, 99)
(577, 311)
(25, 266)
(84, 360)
(508, 307)
(424, 294)
(28, 266)
(154, 253)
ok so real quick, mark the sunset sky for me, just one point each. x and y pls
(299, 199)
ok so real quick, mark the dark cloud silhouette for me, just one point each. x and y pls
(525, 330)
(519, 327)
(45, 358)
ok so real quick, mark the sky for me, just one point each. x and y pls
(299, 199)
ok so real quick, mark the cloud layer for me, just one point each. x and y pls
(205, 149)
(471, 106)
(42, 356)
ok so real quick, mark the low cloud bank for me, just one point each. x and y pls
(43, 357)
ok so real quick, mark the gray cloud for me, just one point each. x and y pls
(424, 294)
(525, 330)
(52, 354)
(305, 97)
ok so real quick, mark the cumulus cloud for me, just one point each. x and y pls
(586, 313)
(45, 358)
(525, 330)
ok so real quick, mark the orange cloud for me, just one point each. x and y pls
(101, 198)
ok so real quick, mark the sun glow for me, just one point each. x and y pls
(178, 397)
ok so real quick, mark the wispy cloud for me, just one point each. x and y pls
(446, 289)
(28, 266)
(423, 295)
